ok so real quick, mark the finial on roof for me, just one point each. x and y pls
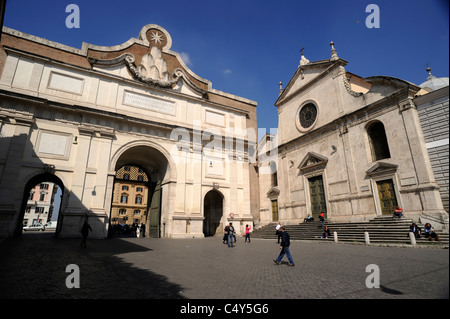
(281, 88)
(303, 59)
(334, 56)
(429, 73)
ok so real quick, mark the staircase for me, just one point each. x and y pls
(382, 230)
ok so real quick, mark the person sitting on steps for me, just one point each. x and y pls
(398, 212)
(430, 233)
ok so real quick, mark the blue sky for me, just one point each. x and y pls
(247, 47)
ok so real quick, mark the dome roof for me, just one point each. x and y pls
(434, 83)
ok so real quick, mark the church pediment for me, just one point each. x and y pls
(307, 73)
(313, 161)
(381, 168)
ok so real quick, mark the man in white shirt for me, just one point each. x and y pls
(278, 231)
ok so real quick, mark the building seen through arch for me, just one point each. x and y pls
(130, 197)
(40, 204)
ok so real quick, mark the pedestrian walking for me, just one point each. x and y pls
(322, 218)
(138, 230)
(134, 230)
(85, 232)
(247, 233)
(284, 246)
(326, 232)
(142, 230)
(225, 234)
(230, 235)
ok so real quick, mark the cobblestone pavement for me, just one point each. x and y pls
(138, 268)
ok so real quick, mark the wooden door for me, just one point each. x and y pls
(275, 210)
(155, 212)
(317, 195)
(386, 193)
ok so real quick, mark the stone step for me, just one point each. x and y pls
(383, 229)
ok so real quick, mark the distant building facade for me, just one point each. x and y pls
(130, 197)
(350, 147)
(433, 110)
(40, 204)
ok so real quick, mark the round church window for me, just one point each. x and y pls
(308, 115)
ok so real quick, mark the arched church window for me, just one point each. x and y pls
(378, 141)
(273, 174)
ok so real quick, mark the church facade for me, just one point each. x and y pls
(350, 147)
(76, 117)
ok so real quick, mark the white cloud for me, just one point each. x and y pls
(227, 71)
(186, 58)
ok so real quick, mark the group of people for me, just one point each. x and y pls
(229, 234)
(138, 230)
(429, 232)
(326, 231)
(229, 238)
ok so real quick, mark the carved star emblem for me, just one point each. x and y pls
(156, 37)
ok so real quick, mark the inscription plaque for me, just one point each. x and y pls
(149, 103)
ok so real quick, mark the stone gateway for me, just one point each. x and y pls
(78, 117)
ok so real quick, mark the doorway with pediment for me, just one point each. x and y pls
(312, 167)
(317, 196)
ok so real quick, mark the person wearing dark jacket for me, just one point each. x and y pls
(284, 246)
(84, 232)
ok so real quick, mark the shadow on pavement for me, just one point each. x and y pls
(34, 267)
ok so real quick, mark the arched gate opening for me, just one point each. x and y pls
(213, 211)
(153, 167)
(41, 203)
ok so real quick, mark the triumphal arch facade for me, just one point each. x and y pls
(77, 116)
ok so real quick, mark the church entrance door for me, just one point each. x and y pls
(275, 210)
(317, 196)
(386, 193)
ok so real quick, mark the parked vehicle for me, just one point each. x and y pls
(37, 226)
(51, 225)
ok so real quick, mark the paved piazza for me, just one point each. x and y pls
(130, 268)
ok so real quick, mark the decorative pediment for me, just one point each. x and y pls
(149, 60)
(313, 161)
(273, 192)
(381, 168)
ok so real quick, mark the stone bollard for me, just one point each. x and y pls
(366, 236)
(412, 237)
(335, 237)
